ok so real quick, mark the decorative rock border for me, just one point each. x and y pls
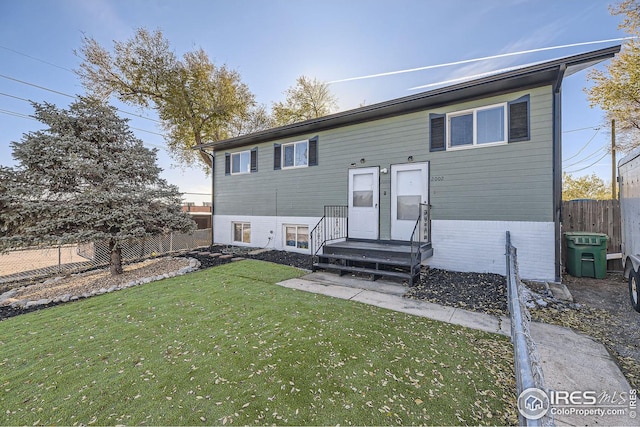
(194, 265)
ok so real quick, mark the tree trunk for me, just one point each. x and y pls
(203, 156)
(115, 260)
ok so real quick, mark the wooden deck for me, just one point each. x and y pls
(378, 258)
(386, 249)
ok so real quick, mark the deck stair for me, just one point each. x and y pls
(374, 258)
(333, 249)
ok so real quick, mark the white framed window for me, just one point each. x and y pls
(296, 236)
(295, 154)
(241, 232)
(241, 162)
(477, 127)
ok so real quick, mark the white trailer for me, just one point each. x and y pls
(629, 179)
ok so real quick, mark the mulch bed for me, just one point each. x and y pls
(8, 311)
(482, 292)
(292, 259)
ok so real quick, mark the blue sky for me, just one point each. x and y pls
(272, 42)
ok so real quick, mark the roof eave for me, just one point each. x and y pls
(547, 73)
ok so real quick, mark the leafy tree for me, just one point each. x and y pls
(308, 99)
(617, 91)
(85, 178)
(196, 101)
(256, 118)
(584, 187)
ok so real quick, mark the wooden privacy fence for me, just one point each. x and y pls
(595, 216)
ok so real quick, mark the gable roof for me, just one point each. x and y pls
(540, 74)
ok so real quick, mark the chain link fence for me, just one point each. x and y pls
(528, 367)
(35, 263)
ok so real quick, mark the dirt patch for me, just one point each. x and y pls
(15, 262)
(86, 283)
(602, 310)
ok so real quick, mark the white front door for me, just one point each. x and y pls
(409, 188)
(364, 196)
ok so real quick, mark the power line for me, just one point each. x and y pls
(579, 129)
(13, 113)
(25, 116)
(147, 131)
(595, 153)
(584, 146)
(16, 97)
(61, 93)
(36, 86)
(67, 95)
(35, 59)
(587, 167)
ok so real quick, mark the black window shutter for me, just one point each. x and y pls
(313, 151)
(227, 164)
(254, 160)
(277, 156)
(437, 126)
(519, 119)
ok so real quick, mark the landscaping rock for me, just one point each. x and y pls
(7, 295)
(541, 302)
(52, 280)
(482, 292)
(18, 304)
(259, 251)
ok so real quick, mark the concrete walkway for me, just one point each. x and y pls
(570, 361)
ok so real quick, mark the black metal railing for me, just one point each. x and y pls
(421, 232)
(332, 226)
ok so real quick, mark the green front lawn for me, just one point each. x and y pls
(226, 346)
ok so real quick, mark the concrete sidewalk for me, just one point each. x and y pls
(570, 361)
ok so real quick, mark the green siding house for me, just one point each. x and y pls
(481, 157)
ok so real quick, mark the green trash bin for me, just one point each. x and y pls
(586, 254)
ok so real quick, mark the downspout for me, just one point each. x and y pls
(557, 170)
(212, 156)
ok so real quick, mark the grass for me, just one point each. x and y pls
(226, 346)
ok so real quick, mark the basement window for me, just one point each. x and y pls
(242, 232)
(296, 236)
